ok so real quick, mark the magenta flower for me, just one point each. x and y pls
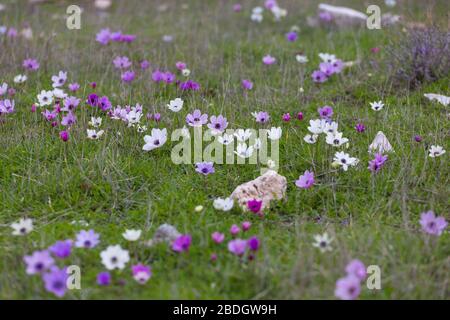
(56, 281)
(128, 76)
(269, 60)
(74, 87)
(234, 230)
(417, 138)
(69, 119)
(286, 117)
(61, 249)
(92, 100)
(122, 62)
(270, 4)
(325, 16)
(145, 64)
(237, 247)
(377, 163)
(306, 180)
(182, 243)
(104, 103)
(49, 115)
(181, 65)
(356, 268)
(38, 262)
(300, 116)
(93, 84)
(218, 237)
(12, 33)
(319, 77)
(116, 36)
(141, 273)
(204, 168)
(196, 119)
(247, 84)
(325, 112)
(360, 127)
(432, 224)
(246, 225)
(291, 36)
(218, 124)
(189, 85)
(254, 205)
(87, 239)
(103, 37)
(157, 117)
(348, 288)
(254, 243)
(157, 76)
(237, 7)
(168, 77)
(213, 257)
(375, 49)
(103, 278)
(64, 135)
(30, 64)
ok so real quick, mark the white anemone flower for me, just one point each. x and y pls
(132, 235)
(336, 139)
(243, 135)
(377, 105)
(157, 138)
(311, 139)
(94, 134)
(114, 257)
(274, 133)
(22, 227)
(380, 144)
(223, 204)
(175, 105)
(323, 242)
(243, 151)
(344, 160)
(436, 151)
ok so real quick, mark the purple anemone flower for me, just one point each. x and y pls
(204, 168)
(196, 119)
(306, 180)
(182, 243)
(128, 76)
(56, 281)
(432, 224)
(325, 112)
(61, 249)
(87, 239)
(319, 77)
(237, 246)
(218, 124)
(38, 262)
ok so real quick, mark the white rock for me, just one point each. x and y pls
(267, 187)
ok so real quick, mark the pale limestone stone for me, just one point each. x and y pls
(267, 187)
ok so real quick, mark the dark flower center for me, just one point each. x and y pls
(205, 170)
(114, 260)
(39, 266)
(23, 230)
(58, 285)
(87, 243)
(336, 141)
(323, 244)
(343, 161)
(217, 126)
(156, 143)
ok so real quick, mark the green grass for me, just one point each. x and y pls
(114, 185)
